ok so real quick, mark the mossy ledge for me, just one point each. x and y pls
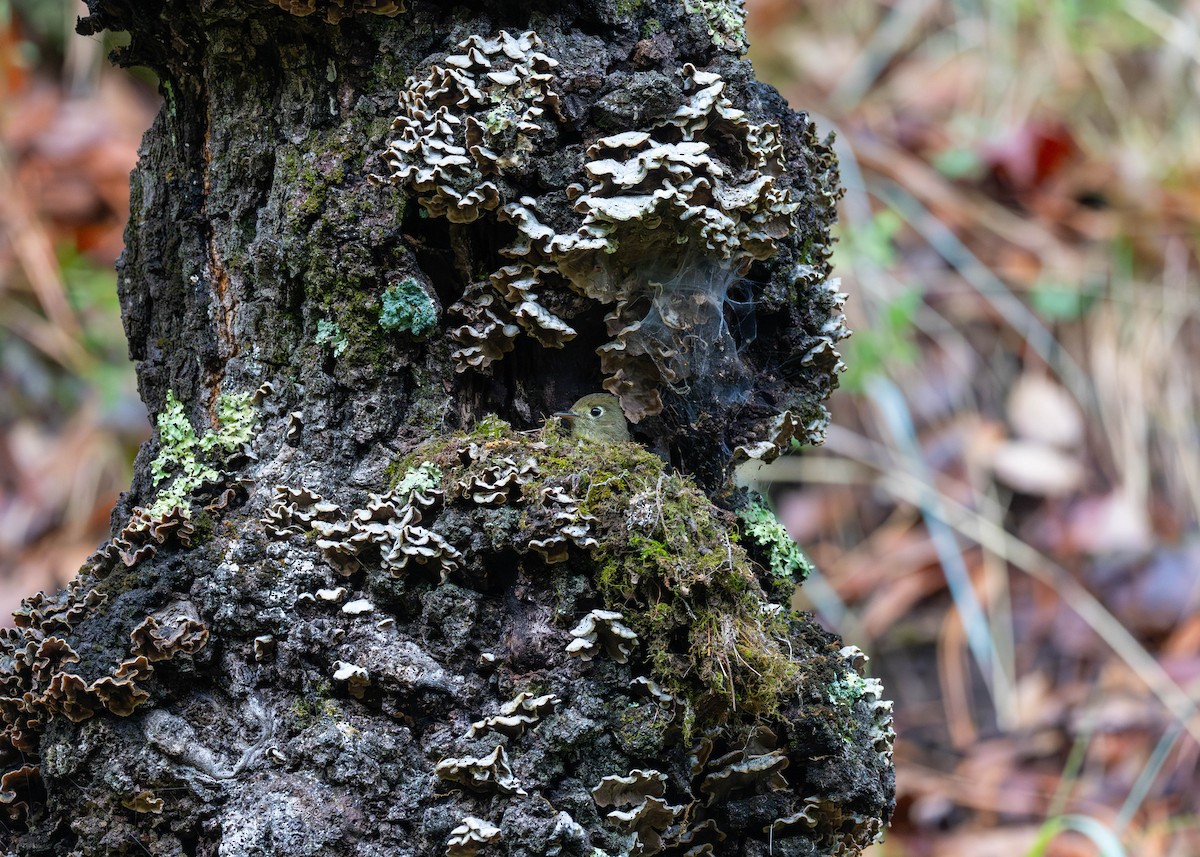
(667, 558)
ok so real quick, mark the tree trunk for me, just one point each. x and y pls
(361, 597)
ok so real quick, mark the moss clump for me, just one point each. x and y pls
(408, 307)
(190, 460)
(667, 559)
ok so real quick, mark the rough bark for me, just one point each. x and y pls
(359, 599)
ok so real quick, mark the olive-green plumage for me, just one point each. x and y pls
(597, 417)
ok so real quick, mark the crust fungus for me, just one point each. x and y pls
(567, 835)
(52, 654)
(50, 614)
(699, 189)
(498, 482)
(264, 647)
(646, 821)
(602, 628)
(486, 775)
(16, 788)
(466, 839)
(335, 10)
(652, 689)
(68, 694)
(147, 530)
(118, 696)
(390, 527)
(294, 510)
(516, 715)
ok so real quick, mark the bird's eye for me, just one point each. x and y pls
(597, 412)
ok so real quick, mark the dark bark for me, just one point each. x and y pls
(332, 562)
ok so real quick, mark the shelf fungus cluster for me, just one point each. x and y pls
(335, 10)
(666, 216)
(42, 677)
(386, 531)
(474, 117)
(602, 629)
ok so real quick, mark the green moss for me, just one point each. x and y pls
(189, 460)
(667, 559)
(642, 730)
(651, 28)
(408, 307)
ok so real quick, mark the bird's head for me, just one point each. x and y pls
(597, 417)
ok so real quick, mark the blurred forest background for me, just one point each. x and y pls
(1005, 515)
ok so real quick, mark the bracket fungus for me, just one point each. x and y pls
(489, 774)
(602, 628)
(516, 715)
(335, 10)
(633, 788)
(647, 821)
(187, 637)
(698, 191)
(466, 839)
(357, 679)
(839, 833)
(476, 114)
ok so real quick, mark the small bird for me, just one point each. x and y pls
(597, 417)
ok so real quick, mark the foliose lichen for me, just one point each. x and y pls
(190, 460)
(408, 307)
(787, 563)
(331, 334)
(726, 20)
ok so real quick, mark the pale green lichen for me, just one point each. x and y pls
(190, 460)
(424, 478)
(328, 333)
(726, 21)
(408, 307)
(848, 689)
(787, 562)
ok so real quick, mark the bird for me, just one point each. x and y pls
(597, 418)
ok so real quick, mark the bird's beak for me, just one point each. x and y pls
(566, 415)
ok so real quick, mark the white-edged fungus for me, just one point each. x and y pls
(488, 774)
(602, 628)
(632, 788)
(516, 715)
(466, 839)
(357, 678)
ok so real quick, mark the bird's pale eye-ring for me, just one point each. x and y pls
(597, 412)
